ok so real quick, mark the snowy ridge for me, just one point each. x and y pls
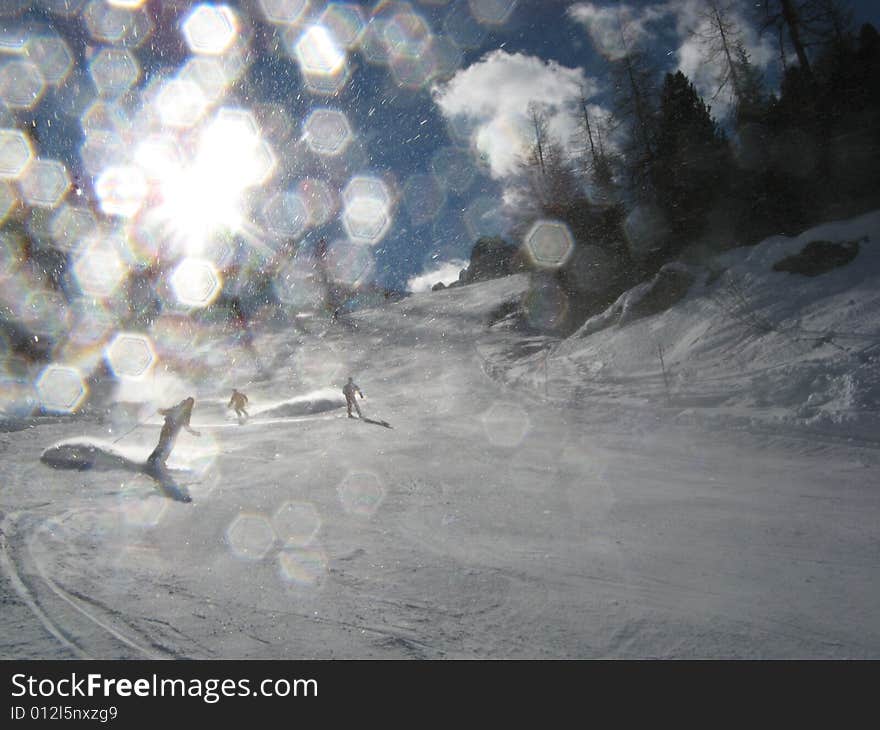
(746, 342)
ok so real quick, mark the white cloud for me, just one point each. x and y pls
(447, 272)
(614, 28)
(492, 96)
(692, 58)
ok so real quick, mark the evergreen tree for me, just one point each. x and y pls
(751, 100)
(636, 109)
(692, 160)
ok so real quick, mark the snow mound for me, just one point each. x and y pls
(668, 287)
(98, 455)
(82, 454)
(304, 405)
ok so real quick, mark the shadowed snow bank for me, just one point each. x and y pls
(90, 454)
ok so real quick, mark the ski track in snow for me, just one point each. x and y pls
(501, 517)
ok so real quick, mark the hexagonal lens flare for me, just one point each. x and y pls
(345, 21)
(21, 84)
(303, 567)
(51, 56)
(367, 215)
(101, 150)
(250, 536)
(61, 388)
(549, 244)
(70, 225)
(98, 267)
(412, 72)
(297, 523)
(108, 22)
(283, 12)
(372, 43)
(15, 153)
(158, 157)
(196, 282)
(210, 29)
(327, 132)
(366, 220)
(318, 51)
(361, 494)
(459, 27)
(11, 253)
(130, 355)
(406, 34)
(44, 183)
(114, 71)
(286, 214)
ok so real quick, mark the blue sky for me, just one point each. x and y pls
(443, 148)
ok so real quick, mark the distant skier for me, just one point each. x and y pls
(176, 418)
(349, 390)
(238, 401)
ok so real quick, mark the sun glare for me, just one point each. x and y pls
(206, 195)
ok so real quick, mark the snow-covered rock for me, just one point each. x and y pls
(668, 286)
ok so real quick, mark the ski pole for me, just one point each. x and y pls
(665, 378)
(139, 423)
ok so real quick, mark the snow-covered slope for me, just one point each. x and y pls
(747, 342)
(492, 520)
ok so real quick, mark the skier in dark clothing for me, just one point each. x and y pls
(238, 401)
(176, 418)
(349, 390)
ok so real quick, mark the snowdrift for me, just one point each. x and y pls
(304, 405)
(82, 454)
